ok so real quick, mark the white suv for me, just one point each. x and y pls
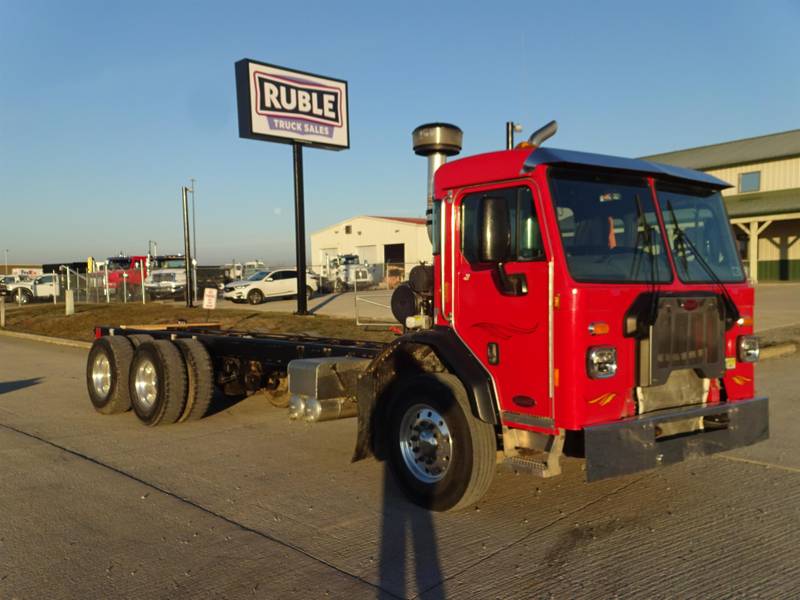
(268, 284)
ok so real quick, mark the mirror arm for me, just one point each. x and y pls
(515, 284)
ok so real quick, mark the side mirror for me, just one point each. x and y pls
(495, 245)
(495, 241)
(268, 279)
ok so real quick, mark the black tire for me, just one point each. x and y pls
(309, 292)
(169, 389)
(471, 460)
(23, 296)
(255, 297)
(138, 338)
(199, 380)
(118, 351)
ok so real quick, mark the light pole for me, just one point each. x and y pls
(194, 228)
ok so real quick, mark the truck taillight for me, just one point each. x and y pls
(97, 333)
(748, 348)
(601, 362)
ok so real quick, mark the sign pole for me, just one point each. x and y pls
(300, 228)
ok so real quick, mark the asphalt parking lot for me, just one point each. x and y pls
(246, 504)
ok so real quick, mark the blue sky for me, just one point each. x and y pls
(107, 108)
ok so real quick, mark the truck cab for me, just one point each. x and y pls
(125, 272)
(587, 304)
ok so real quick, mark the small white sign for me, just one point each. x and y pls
(285, 105)
(209, 298)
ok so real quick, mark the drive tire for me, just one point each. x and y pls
(117, 352)
(22, 296)
(309, 292)
(138, 338)
(471, 443)
(162, 400)
(199, 379)
(255, 297)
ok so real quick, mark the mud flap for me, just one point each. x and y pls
(632, 445)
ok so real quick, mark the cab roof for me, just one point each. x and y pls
(511, 164)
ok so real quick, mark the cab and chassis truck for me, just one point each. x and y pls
(578, 304)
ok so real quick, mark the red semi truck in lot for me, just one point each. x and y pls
(578, 304)
(129, 268)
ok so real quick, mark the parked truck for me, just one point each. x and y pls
(126, 274)
(347, 271)
(579, 304)
(167, 277)
(23, 291)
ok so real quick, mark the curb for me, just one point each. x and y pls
(778, 350)
(47, 340)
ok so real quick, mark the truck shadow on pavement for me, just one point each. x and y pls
(404, 524)
(20, 384)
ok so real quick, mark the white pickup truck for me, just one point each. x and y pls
(23, 292)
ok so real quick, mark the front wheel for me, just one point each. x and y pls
(309, 292)
(443, 457)
(255, 297)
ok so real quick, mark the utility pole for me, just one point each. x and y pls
(6, 253)
(187, 248)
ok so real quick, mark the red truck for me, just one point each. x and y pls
(578, 304)
(132, 268)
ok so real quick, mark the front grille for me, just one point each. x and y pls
(688, 333)
(159, 277)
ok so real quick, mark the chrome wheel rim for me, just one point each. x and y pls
(145, 381)
(101, 375)
(425, 443)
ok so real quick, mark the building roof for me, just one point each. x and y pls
(413, 220)
(737, 152)
(763, 204)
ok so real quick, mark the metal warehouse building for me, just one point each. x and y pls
(764, 202)
(376, 240)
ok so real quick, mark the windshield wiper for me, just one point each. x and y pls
(683, 239)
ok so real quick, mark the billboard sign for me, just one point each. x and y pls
(282, 105)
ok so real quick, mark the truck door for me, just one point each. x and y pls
(509, 334)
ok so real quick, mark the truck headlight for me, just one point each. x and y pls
(601, 362)
(748, 349)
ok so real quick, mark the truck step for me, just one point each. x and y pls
(543, 466)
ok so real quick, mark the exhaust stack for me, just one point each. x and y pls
(437, 141)
(539, 136)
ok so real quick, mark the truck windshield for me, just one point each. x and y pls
(608, 227)
(115, 264)
(168, 263)
(696, 223)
